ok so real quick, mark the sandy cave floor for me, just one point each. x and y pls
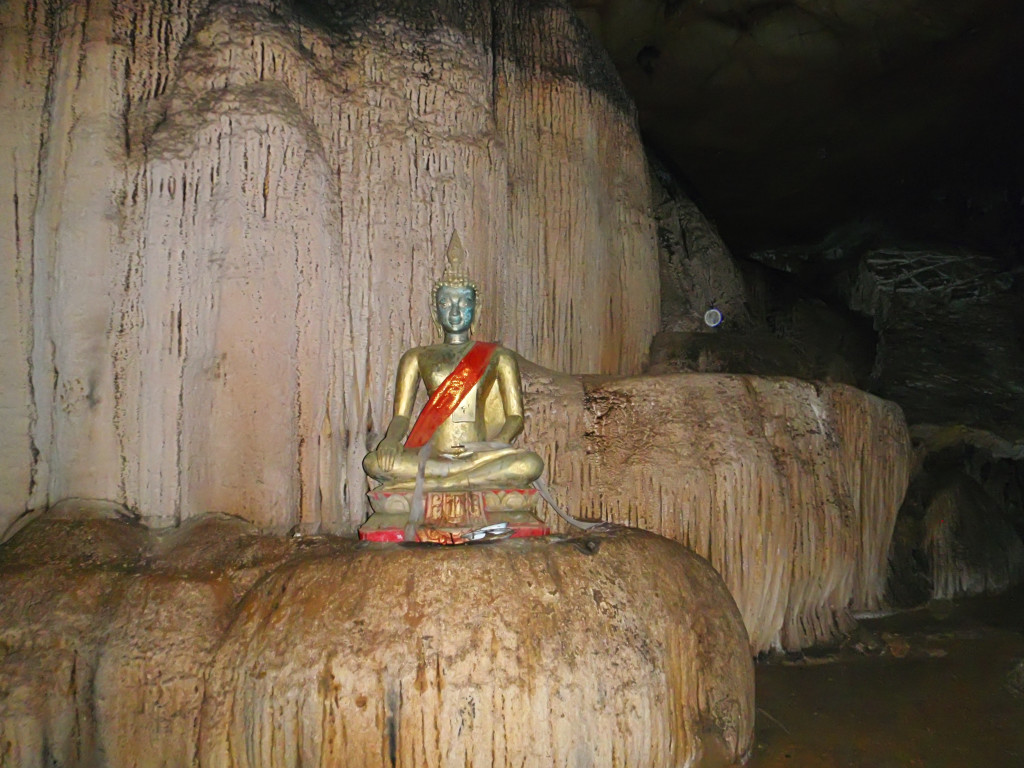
(929, 688)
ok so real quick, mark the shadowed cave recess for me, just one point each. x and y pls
(761, 263)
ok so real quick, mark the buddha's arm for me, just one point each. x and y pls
(405, 394)
(511, 390)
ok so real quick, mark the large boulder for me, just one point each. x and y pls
(108, 631)
(214, 645)
(790, 488)
(614, 648)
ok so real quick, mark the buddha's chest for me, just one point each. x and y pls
(467, 386)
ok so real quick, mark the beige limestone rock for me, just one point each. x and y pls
(533, 653)
(61, 579)
(224, 218)
(107, 631)
(218, 646)
(790, 488)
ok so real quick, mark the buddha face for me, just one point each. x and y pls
(455, 307)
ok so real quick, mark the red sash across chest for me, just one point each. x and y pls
(451, 393)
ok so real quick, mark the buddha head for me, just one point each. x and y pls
(454, 294)
(456, 307)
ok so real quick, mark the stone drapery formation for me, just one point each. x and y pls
(970, 545)
(215, 645)
(790, 488)
(959, 530)
(222, 219)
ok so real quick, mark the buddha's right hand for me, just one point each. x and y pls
(387, 452)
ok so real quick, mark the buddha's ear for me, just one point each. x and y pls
(476, 309)
(433, 313)
(432, 307)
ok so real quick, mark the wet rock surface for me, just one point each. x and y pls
(928, 688)
(214, 645)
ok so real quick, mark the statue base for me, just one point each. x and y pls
(449, 515)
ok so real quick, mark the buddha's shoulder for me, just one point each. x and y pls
(503, 352)
(496, 345)
(430, 352)
(444, 351)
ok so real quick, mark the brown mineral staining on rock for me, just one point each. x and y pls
(619, 647)
(108, 630)
(75, 534)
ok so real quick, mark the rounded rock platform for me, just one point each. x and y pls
(617, 647)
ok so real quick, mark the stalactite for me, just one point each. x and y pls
(970, 545)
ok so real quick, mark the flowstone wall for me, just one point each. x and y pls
(222, 224)
(223, 217)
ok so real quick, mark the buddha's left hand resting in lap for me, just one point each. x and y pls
(459, 374)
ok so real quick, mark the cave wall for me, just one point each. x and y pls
(223, 220)
(697, 271)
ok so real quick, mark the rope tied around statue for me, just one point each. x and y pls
(418, 511)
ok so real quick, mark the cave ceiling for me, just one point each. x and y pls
(791, 120)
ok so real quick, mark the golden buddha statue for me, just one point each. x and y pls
(459, 452)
